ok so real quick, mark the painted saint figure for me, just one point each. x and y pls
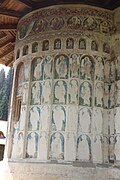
(73, 91)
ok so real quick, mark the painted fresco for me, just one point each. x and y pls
(97, 149)
(99, 69)
(83, 148)
(117, 148)
(86, 68)
(61, 67)
(46, 92)
(73, 92)
(98, 120)
(57, 44)
(43, 146)
(57, 23)
(22, 118)
(82, 44)
(72, 118)
(20, 145)
(94, 46)
(37, 69)
(34, 118)
(74, 66)
(74, 22)
(99, 92)
(32, 145)
(90, 23)
(36, 93)
(60, 92)
(44, 118)
(70, 43)
(86, 94)
(40, 26)
(58, 118)
(57, 146)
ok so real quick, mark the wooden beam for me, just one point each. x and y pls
(2, 35)
(7, 27)
(7, 42)
(6, 52)
(8, 62)
(11, 13)
(27, 3)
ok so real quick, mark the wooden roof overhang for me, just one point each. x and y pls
(12, 10)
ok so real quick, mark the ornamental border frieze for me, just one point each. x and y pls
(65, 19)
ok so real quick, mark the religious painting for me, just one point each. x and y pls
(20, 145)
(34, 47)
(45, 45)
(86, 94)
(58, 118)
(40, 25)
(37, 69)
(60, 92)
(15, 140)
(99, 92)
(25, 93)
(106, 96)
(105, 27)
(99, 69)
(112, 71)
(86, 68)
(61, 67)
(117, 68)
(36, 93)
(69, 43)
(117, 120)
(107, 71)
(57, 23)
(82, 44)
(26, 71)
(117, 93)
(57, 146)
(20, 79)
(22, 118)
(47, 63)
(43, 146)
(117, 148)
(25, 50)
(34, 118)
(112, 96)
(97, 149)
(106, 48)
(90, 23)
(46, 92)
(74, 66)
(44, 117)
(32, 145)
(74, 22)
(83, 148)
(73, 91)
(111, 149)
(98, 120)
(72, 118)
(57, 44)
(84, 121)
(94, 46)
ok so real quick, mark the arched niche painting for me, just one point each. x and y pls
(57, 23)
(74, 22)
(73, 91)
(82, 44)
(117, 148)
(84, 120)
(86, 94)
(46, 92)
(60, 92)
(34, 47)
(15, 139)
(74, 66)
(105, 27)
(44, 117)
(22, 118)
(72, 118)
(112, 96)
(25, 50)
(117, 120)
(57, 44)
(32, 145)
(111, 149)
(86, 68)
(105, 148)
(106, 48)
(98, 120)
(106, 95)
(47, 63)
(18, 54)
(19, 78)
(99, 92)
(34, 118)
(36, 93)
(61, 67)
(112, 71)
(83, 148)
(20, 145)
(97, 149)
(45, 45)
(90, 23)
(43, 146)
(117, 67)
(24, 93)
(69, 43)
(26, 72)
(107, 71)
(37, 69)
(99, 69)
(57, 146)
(94, 46)
(40, 25)
(58, 118)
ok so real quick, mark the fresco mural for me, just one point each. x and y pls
(74, 66)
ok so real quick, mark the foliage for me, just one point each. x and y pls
(5, 91)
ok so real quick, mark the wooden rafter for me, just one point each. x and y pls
(7, 42)
(11, 13)
(3, 35)
(7, 52)
(7, 27)
(27, 3)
